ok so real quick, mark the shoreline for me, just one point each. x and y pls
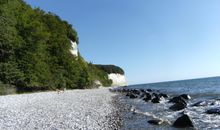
(147, 108)
(74, 109)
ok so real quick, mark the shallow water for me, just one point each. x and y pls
(207, 89)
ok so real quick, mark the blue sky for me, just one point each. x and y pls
(152, 40)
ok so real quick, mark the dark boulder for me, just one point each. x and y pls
(177, 100)
(214, 102)
(206, 103)
(183, 122)
(178, 106)
(155, 94)
(130, 95)
(136, 91)
(149, 90)
(213, 111)
(142, 90)
(147, 97)
(155, 122)
(121, 90)
(125, 90)
(163, 95)
(142, 95)
(185, 96)
(180, 99)
(200, 103)
(155, 100)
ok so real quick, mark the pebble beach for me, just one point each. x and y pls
(91, 109)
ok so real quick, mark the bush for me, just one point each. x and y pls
(6, 89)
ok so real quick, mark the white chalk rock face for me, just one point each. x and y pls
(74, 49)
(97, 83)
(117, 79)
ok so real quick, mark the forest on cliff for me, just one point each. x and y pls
(35, 51)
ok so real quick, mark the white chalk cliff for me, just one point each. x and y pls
(117, 79)
(74, 49)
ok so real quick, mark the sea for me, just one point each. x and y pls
(204, 89)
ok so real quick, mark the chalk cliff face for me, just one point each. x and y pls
(74, 49)
(117, 79)
(115, 74)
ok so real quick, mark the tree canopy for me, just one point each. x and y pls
(111, 69)
(34, 51)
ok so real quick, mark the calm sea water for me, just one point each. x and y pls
(206, 89)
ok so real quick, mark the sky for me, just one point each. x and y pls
(152, 40)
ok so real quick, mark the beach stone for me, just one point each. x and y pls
(213, 111)
(155, 122)
(178, 106)
(183, 122)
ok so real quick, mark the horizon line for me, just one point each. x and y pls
(178, 80)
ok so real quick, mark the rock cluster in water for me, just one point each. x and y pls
(154, 96)
(179, 103)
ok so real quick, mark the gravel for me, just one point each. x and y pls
(92, 109)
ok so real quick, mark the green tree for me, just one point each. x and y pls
(35, 51)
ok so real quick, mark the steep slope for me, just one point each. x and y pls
(38, 51)
(115, 74)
